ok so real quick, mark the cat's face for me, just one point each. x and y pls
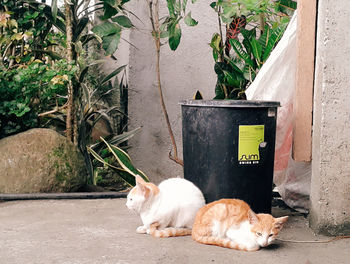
(267, 228)
(141, 193)
(135, 199)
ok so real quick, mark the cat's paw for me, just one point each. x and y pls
(252, 249)
(141, 230)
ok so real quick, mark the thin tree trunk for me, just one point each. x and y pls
(70, 94)
(154, 17)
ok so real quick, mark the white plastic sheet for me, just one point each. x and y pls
(276, 82)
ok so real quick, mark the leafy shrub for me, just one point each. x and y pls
(28, 90)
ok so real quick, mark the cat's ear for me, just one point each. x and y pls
(252, 217)
(140, 183)
(139, 180)
(280, 221)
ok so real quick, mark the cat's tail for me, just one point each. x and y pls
(221, 242)
(169, 232)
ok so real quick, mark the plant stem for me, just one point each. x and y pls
(221, 57)
(70, 105)
(154, 17)
(262, 22)
(221, 37)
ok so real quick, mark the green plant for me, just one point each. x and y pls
(119, 161)
(24, 32)
(28, 90)
(253, 28)
(166, 28)
(83, 107)
(40, 86)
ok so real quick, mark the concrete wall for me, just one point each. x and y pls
(330, 186)
(184, 71)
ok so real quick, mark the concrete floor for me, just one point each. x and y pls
(103, 231)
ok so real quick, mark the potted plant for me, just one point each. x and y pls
(228, 145)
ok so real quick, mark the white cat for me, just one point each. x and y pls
(168, 209)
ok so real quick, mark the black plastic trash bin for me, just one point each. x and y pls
(229, 147)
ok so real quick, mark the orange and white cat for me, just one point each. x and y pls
(231, 223)
(168, 209)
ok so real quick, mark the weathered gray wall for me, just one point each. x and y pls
(184, 71)
(330, 186)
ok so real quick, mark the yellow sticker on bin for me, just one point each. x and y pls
(249, 139)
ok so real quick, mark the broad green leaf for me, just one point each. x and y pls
(215, 45)
(109, 11)
(189, 21)
(273, 40)
(164, 34)
(175, 36)
(231, 79)
(123, 21)
(264, 38)
(237, 47)
(219, 92)
(106, 28)
(249, 73)
(110, 43)
(113, 3)
(257, 51)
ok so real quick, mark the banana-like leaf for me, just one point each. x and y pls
(139, 172)
(118, 139)
(124, 161)
(124, 136)
(126, 176)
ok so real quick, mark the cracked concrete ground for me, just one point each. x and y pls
(103, 231)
